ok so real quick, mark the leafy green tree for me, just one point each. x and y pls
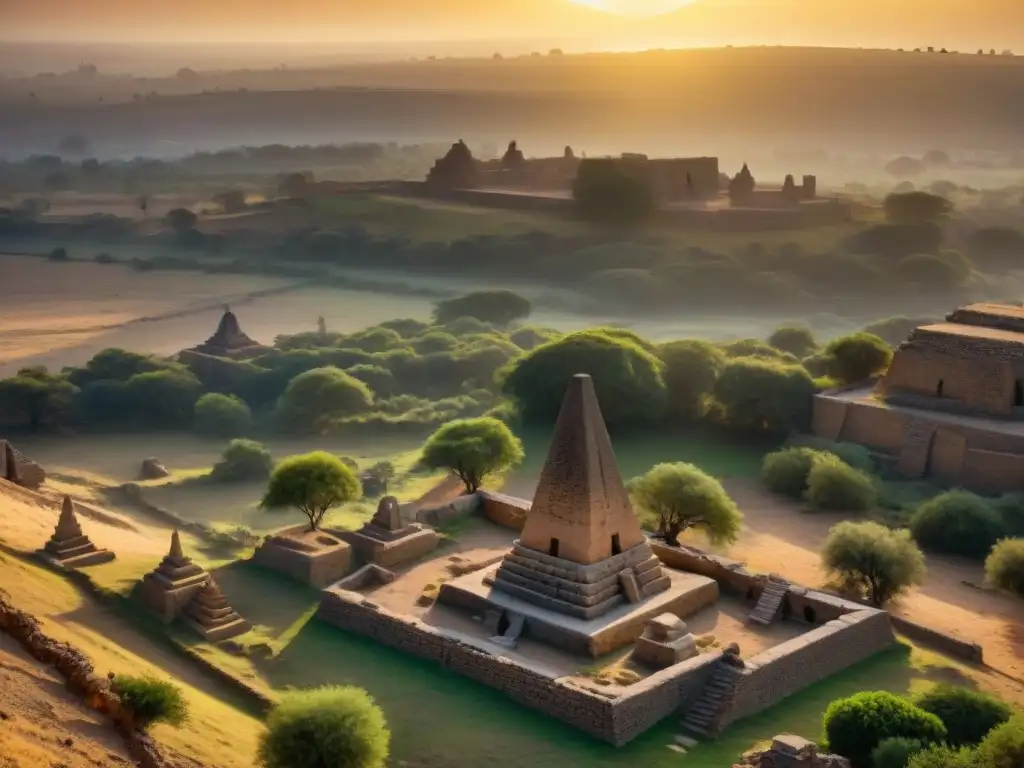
(243, 460)
(785, 471)
(879, 562)
(692, 367)
(941, 756)
(833, 485)
(764, 396)
(383, 472)
(495, 307)
(163, 398)
(116, 364)
(607, 193)
(315, 397)
(683, 497)
(378, 379)
(151, 700)
(1003, 747)
(856, 725)
(916, 208)
(895, 753)
(629, 380)
(222, 415)
(473, 449)
(1004, 566)
(312, 483)
(36, 398)
(968, 715)
(330, 727)
(856, 357)
(757, 348)
(957, 523)
(797, 340)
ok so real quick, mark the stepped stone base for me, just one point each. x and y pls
(216, 633)
(77, 557)
(621, 624)
(317, 558)
(167, 600)
(414, 542)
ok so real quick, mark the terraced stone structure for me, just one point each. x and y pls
(951, 405)
(171, 586)
(16, 468)
(69, 547)
(229, 340)
(581, 551)
(211, 616)
(388, 541)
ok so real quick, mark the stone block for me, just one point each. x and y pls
(630, 589)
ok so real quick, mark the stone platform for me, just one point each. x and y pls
(211, 616)
(318, 558)
(388, 541)
(69, 547)
(172, 586)
(617, 626)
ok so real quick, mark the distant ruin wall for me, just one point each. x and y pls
(25, 472)
(613, 718)
(781, 671)
(503, 510)
(940, 641)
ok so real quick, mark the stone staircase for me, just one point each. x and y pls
(767, 608)
(917, 448)
(703, 717)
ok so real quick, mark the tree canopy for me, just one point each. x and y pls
(609, 194)
(312, 483)
(691, 369)
(222, 415)
(314, 397)
(856, 357)
(473, 449)
(682, 496)
(496, 307)
(879, 562)
(34, 397)
(765, 396)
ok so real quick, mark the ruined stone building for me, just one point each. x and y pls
(229, 340)
(950, 407)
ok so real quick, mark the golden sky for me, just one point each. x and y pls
(884, 23)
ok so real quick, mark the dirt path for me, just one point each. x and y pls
(779, 537)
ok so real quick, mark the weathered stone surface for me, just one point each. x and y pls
(211, 616)
(69, 547)
(666, 641)
(388, 541)
(789, 751)
(169, 588)
(317, 558)
(152, 469)
(17, 469)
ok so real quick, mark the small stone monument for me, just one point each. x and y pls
(210, 615)
(387, 540)
(229, 340)
(69, 547)
(169, 588)
(666, 641)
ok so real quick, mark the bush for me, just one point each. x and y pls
(682, 496)
(331, 726)
(878, 562)
(932, 274)
(857, 456)
(691, 370)
(916, 208)
(765, 396)
(151, 700)
(497, 307)
(834, 485)
(379, 379)
(895, 330)
(757, 348)
(472, 449)
(58, 254)
(315, 397)
(1003, 747)
(605, 192)
(856, 357)
(785, 472)
(941, 756)
(796, 340)
(1004, 566)
(856, 725)
(243, 460)
(628, 379)
(895, 753)
(222, 415)
(163, 398)
(957, 523)
(968, 715)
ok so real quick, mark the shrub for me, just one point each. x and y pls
(794, 339)
(877, 561)
(765, 396)
(856, 725)
(497, 307)
(682, 496)
(151, 700)
(181, 220)
(1003, 747)
(895, 753)
(222, 415)
(968, 715)
(916, 208)
(58, 254)
(312, 483)
(379, 379)
(856, 357)
(691, 370)
(857, 456)
(785, 471)
(331, 726)
(472, 449)
(605, 192)
(941, 756)
(931, 273)
(243, 460)
(1004, 566)
(163, 398)
(312, 398)
(895, 330)
(757, 348)
(957, 523)
(435, 341)
(834, 485)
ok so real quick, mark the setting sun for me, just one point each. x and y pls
(635, 7)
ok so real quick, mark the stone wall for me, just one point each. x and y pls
(778, 672)
(940, 641)
(613, 717)
(506, 511)
(318, 568)
(28, 473)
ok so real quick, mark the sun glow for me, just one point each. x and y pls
(635, 7)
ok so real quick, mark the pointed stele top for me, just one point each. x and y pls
(67, 523)
(176, 552)
(581, 510)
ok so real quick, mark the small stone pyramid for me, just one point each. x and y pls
(69, 547)
(173, 584)
(211, 616)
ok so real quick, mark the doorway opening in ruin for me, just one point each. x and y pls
(553, 548)
(1018, 393)
(810, 615)
(938, 389)
(616, 546)
(503, 623)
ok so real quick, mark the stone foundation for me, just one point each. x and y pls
(317, 558)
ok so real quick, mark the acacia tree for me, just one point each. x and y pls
(684, 497)
(312, 483)
(876, 560)
(473, 449)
